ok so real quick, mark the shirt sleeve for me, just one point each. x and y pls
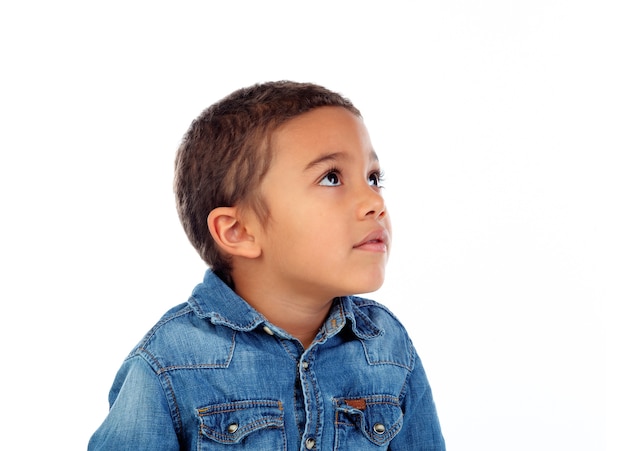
(420, 429)
(139, 417)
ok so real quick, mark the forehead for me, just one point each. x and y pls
(324, 129)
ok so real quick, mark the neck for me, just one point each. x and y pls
(297, 318)
(299, 315)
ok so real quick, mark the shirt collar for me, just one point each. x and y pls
(216, 301)
(346, 311)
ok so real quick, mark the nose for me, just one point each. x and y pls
(372, 204)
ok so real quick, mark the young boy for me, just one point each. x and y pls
(279, 189)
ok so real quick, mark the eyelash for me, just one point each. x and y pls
(332, 170)
(379, 174)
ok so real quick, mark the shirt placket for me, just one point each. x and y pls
(312, 402)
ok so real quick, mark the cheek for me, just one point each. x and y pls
(307, 227)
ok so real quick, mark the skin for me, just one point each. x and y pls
(329, 232)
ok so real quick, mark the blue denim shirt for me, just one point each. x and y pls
(214, 374)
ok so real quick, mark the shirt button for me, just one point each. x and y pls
(305, 365)
(379, 428)
(310, 443)
(267, 330)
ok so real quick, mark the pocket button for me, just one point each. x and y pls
(379, 428)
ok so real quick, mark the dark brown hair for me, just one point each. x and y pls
(226, 152)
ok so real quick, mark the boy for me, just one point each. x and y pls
(279, 189)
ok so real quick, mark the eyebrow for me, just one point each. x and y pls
(333, 157)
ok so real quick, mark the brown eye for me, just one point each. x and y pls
(331, 179)
(375, 178)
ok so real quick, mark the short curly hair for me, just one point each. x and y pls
(226, 152)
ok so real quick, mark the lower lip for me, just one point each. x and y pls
(374, 246)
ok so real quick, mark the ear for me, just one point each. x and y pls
(229, 231)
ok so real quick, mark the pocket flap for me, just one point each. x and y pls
(378, 417)
(231, 422)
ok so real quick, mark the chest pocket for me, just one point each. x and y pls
(242, 425)
(367, 423)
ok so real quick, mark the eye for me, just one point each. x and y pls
(375, 179)
(331, 179)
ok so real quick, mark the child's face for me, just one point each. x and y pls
(328, 233)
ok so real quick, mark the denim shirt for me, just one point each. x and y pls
(214, 374)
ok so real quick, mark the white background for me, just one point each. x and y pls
(500, 125)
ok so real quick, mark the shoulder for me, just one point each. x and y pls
(182, 339)
(171, 324)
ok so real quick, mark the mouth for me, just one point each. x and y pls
(376, 241)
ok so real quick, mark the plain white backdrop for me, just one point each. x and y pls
(500, 126)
